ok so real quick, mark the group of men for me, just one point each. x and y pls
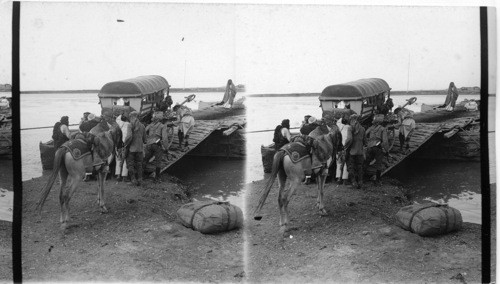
(139, 142)
(361, 148)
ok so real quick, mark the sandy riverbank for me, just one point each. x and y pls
(358, 242)
(138, 240)
(6, 251)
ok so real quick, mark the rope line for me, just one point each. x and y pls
(266, 130)
(44, 127)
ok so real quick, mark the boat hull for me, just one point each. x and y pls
(267, 153)
(464, 145)
(47, 153)
(219, 145)
(5, 131)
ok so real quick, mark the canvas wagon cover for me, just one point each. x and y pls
(354, 90)
(134, 87)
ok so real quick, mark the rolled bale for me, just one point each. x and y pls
(210, 217)
(429, 219)
(267, 157)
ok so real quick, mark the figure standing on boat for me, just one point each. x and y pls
(451, 98)
(229, 95)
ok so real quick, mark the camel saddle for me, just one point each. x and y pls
(78, 148)
(296, 151)
(81, 146)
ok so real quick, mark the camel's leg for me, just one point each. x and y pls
(99, 176)
(102, 179)
(72, 176)
(284, 199)
(281, 183)
(73, 182)
(103, 172)
(63, 197)
(321, 185)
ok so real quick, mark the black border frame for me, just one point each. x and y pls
(16, 155)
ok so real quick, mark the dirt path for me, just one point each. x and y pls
(138, 240)
(358, 242)
(5, 252)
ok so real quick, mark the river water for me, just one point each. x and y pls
(224, 180)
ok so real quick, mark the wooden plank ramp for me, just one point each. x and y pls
(202, 129)
(224, 142)
(423, 132)
(228, 141)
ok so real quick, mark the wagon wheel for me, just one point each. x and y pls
(391, 136)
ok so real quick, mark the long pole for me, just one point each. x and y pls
(267, 130)
(185, 62)
(44, 127)
(408, 80)
(184, 73)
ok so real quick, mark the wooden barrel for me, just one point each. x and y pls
(267, 153)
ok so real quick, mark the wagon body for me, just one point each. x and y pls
(363, 96)
(142, 93)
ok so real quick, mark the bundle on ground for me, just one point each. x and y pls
(210, 216)
(429, 219)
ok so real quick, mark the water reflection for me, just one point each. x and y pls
(213, 178)
(456, 183)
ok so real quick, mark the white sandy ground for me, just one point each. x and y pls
(6, 204)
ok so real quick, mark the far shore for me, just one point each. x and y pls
(172, 90)
(221, 89)
(393, 93)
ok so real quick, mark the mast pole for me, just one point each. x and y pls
(408, 79)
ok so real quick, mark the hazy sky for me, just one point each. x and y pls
(269, 48)
(5, 43)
